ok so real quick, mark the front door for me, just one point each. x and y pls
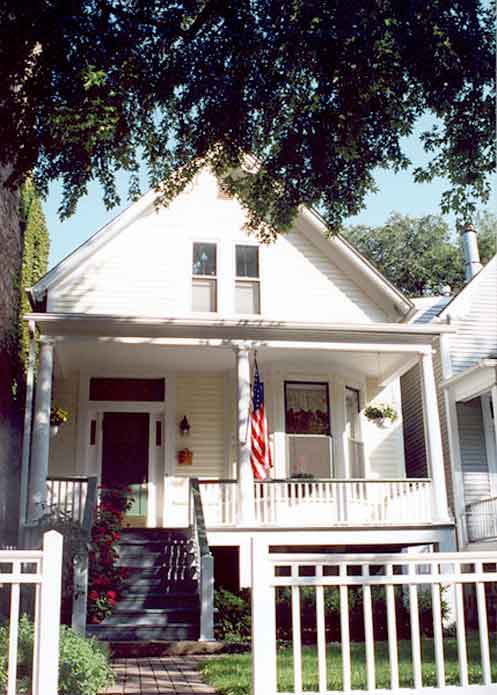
(125, 459)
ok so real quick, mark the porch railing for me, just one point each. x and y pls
(350, 502)
(42, 570)
(68, 496)
(481, 519)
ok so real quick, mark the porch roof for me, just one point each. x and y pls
(381, 351)
(60, 324)
(474, 381)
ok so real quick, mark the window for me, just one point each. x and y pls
(307, 424)
(204, 277)
(247, 282)
(357, 465)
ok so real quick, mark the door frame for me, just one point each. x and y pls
(156, 412)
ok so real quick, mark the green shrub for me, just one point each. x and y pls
(232, 616)
(84, 667)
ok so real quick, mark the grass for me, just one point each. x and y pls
(231, 675)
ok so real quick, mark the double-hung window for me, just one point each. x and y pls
(204, 277)
(247, 281)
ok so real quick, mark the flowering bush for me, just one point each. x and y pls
(106, 578)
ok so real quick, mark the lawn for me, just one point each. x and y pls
(231, 675)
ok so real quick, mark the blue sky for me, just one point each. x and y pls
(397, 192)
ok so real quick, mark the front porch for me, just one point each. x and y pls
(333, 468)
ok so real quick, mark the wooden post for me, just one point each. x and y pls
(245, 477)
(207, 598)
(49, 627)
(434, 439)
(263, 623)
(80, 594)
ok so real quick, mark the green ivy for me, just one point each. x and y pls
(35, 248)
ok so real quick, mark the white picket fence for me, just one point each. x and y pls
(401, 577)
(41, 569)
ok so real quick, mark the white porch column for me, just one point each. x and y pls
(434, 438)
(245, 478)
(493, 396)
(40, 442)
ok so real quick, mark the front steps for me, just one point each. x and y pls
(160, 601)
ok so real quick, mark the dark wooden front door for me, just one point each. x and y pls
(125, 456)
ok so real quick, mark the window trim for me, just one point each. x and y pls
(212, 278)
(245, 279)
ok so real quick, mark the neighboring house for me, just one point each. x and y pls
(157, 317)
(466, 372)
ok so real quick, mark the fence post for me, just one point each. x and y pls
(49, 627)
(263, 622)
(80, 594)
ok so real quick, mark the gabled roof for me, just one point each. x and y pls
(337, 249)
(468, 287)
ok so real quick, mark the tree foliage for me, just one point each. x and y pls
(321, 92)
(418, 254)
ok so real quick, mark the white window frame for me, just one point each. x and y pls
(214, 278)
(247, 280)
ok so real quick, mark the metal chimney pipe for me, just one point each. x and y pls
(472, 264)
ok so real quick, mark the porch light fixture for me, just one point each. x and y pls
(184, 426)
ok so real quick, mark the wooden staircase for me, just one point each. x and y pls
(160, 600)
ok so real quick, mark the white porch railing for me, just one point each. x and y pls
(481, 519)
(323, 502)
(41, 569)
(67, 495)
(396, 582)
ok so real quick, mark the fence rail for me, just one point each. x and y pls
(445, 577)
(348, 502)
(42, 570)
(481, 519)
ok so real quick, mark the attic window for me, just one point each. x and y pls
(204, 277)
(247, 280)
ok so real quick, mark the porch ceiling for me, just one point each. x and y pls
(101, 355)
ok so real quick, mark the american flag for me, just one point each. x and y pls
(260, 454)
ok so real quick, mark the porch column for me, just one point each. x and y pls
(434, 438)
(245, 479)
(41, 432)
(493, 396)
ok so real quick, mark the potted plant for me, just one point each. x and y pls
(185, 457)
(380, 413)
(58, 416)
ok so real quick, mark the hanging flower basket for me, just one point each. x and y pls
(380, 413)
(58, 416)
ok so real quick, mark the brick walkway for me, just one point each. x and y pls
(158, 675)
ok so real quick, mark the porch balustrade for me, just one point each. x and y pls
(350, 502)
(481, 520)
(67, 496)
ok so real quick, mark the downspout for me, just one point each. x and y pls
(28, 418)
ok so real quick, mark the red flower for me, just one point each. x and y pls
(111, 594)
(94, 595)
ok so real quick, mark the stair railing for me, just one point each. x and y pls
(205, 562)
(80, 580)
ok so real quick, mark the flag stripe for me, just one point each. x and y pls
(260, 451)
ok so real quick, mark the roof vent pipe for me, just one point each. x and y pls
(472, 264)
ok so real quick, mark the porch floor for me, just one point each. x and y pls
(175, 675)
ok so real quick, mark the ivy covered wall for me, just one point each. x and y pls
(23, 259)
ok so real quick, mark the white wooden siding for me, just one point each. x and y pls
(62, 460)
(473, 452)
(385, 446)
(145, 270)
(444, 426)
(474, 316)
(201, 399)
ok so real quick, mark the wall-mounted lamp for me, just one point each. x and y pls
(184, 426)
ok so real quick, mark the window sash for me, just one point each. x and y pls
(243, 262)
(247, 296)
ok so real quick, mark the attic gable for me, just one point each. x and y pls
(141, 263)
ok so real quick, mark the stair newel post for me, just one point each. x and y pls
(207, 598)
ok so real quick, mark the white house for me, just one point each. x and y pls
(466, 373)
(157, 318)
